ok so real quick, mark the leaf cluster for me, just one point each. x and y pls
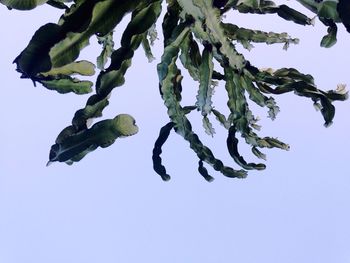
(195, 36)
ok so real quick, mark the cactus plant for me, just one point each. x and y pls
(195, 35)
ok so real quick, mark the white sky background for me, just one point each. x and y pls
(112, 207)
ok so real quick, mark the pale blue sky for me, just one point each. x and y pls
(111, 207)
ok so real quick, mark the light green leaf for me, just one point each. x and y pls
(84, 68)
(66, 85)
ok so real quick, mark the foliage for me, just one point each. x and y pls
(194, 35)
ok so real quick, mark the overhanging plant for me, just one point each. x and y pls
(194, 36)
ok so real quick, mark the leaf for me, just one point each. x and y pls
(269, 7)
(208, 127)
(66, 85)
(158, 167)
(258, 153)
(170, 20)
(147, 48)
(190, 56)
(205, 91)
(268, 142)
(331, 38)
(107, 49)
(273, 108)
(149, 38)
(328, 10)
(35, 58)
(114, 76)
(141, 22)
(236, 100)
(75, 146)
(204, 172)
(293, 74)
(22, 4)
(83, 67)
(254, 93)
(152, 34)
(244, 35)
(291, 14)
(221, 118)
(167, 71)
(93, 109)
(232, 146)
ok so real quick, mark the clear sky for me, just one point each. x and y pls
(111, 207)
